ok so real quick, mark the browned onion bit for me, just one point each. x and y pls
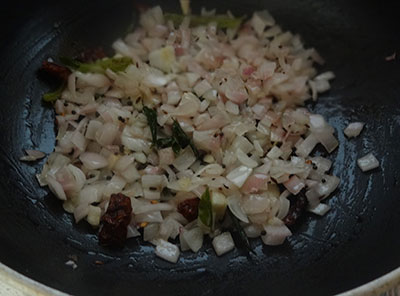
(115, 221)
(189, 208)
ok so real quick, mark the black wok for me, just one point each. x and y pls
(357, 241)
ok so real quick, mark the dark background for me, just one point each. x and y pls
(357, 241)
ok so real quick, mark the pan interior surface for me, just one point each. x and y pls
(357, 241)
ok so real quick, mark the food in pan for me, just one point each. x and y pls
(195, 127)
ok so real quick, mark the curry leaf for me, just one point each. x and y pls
(99, 66)
(151, 116)
(53, 96)
(182, 139)
(244, 241)
(205, 209)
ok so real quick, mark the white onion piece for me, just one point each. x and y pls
(79, 176)
(115, 185)
(210, 169)
(91, 193)
(325, 76)
(81, 212)
(92, 128)
(93, 161)
(188, 106)
(368, 162)
(94, 215)
(122, 163)
(236, 209)
(166, 156)
(223, 243)
(167, 251)
(327, 139)
(132, 232)
(156, 181)
(131, 174)
(194, 238)
(163, 58)
(202, 87)
(255, 204)
(79, 141)
(149, 217)
(320, 210)
(261, 20)
(151, 194)
(275, 234)
(255, 183)
(305, 148)
(353, 129)
(148, 207)
(185, 159)
(106, 135)
(323, 164)
(322, 190)
(169, 228)
(134, 144)
(239, 175)
(92, 79)
(253, 230)
(183, 242)
(274, 153)
(294, 185)
(151, 231)
(245, 160)
(56, 188)
(32, 155)
(284, 204)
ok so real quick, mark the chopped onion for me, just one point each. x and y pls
(245, 160)
(56, 188)
(353, 129)
(193, 238)
(236, 209)
(132, 231)
(284, 204)
(368, 162)
(32, 155)
(320, 210)
(305, 148)
(294, 185)
(239, 175)
(149, 217)
(253, 230)
(185, 159)
(150, 232)
(148, 207)
(255, 204)
(275, 234)
(223, 243)
(167, 251)
(122, 163)
(81, 212)
(93, 161)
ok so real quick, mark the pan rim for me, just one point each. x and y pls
(12, 279)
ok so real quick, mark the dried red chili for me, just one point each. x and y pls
(55, 70)
(298, 204)
(115, 221)
(189, 208)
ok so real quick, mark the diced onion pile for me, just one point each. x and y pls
(237, 93)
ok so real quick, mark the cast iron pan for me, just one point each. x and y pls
(357, 241)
